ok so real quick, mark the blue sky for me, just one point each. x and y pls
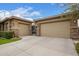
(32, 10)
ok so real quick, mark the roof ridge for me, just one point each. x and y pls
(6, 18)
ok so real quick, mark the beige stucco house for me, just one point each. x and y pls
(61, 26)
(21, 27)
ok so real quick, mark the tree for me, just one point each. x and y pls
(74, 9)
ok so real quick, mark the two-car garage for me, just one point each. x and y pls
(50, 27)
(56, 29)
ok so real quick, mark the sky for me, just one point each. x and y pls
(31, 10)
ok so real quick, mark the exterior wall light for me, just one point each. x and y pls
(78, 22)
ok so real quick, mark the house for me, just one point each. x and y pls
(61, 26)
(21, 27)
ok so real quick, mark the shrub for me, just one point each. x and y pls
(77, 48)
(6, 34)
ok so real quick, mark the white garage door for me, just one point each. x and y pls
(23, 29)
(56, 29)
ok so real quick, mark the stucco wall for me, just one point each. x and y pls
(21, 26)
(14, 25)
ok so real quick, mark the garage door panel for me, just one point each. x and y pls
(57, 29)
(23, 29)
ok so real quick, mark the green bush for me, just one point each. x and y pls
(77, 48)
(6, 34)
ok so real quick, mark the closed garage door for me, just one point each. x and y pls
(56, 29)
(23, 29)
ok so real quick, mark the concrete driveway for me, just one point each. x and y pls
(39, 46)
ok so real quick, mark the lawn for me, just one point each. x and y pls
(77, 47)
(4, 41)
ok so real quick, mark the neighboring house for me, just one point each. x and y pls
(21, 27)
(61, 26)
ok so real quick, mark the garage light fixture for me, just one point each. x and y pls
(78, 22)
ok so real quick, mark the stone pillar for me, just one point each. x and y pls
(74, 29)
